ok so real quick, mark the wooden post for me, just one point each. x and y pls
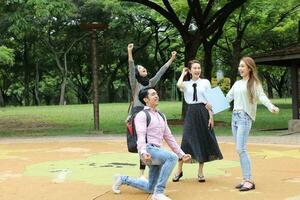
(295, 91)
(94, 27)
(95, 81)
(299, 31)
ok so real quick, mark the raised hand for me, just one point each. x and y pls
(173, 54)
(130, 46)
(185, 71)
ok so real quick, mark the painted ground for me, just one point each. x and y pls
(83, 170)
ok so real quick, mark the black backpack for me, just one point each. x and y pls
(131, 132)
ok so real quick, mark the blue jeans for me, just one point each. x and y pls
(163, 163)
(241, 125)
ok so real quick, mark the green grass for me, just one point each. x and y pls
(78, 119)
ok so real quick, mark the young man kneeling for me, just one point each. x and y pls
(150, 139)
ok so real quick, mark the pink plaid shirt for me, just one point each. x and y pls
(157, 130)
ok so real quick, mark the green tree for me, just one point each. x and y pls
(197, 22)
(256, 27)
(6, 56)
(6, 59)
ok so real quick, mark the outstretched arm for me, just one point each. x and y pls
(153, 81)
(132, 78)
(169, 138)
(173, 56)
(130, 48)
(265, 101)
(174, 146)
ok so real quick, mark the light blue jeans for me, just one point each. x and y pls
(163, 163)
(241, 125)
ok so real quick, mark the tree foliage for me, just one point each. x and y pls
(6, 56)
(49, 54)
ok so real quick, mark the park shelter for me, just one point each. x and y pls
(287, 57)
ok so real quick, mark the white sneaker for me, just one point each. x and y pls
(117, 184)
(160, 197)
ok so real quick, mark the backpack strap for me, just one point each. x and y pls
(162, 115)
(149, 119)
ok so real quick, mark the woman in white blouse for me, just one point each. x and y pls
(198, 138)
(245, 93)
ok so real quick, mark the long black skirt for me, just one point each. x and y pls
(198, 140)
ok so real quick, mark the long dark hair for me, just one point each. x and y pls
(142, 80)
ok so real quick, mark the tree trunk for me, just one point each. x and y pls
(63, 79)
(270, 90)
(280, 93)
(190, 51)
(208, 65)
(110, 87)
(81, 95)
(269, 85)
(64, 74)
(234, 70)
(279, 90)
(162, 91)
(26, 74)
(36, 85)
(281, 84)
(110, 91)
(63, 90)
(235, 60)
(47, 100)
(63, 69)
(2, 104)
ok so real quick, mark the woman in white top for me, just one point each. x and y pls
(198, 135)
(245, 93)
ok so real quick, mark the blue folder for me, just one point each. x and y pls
(216, 98)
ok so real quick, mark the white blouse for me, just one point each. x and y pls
(188, 90)
(239, 94)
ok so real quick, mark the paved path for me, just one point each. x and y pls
(81, 167)
(286, 140)
(293, 139)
